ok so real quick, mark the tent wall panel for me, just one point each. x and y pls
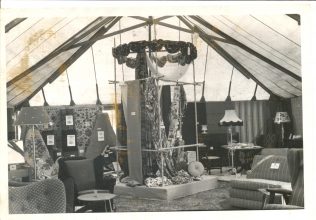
(297, 116)
(254, 115)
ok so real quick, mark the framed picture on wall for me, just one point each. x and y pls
(69, 120)
(71, 140)
(50, 139)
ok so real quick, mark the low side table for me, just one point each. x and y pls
(96, 197)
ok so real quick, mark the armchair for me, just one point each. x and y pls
(245, 193)
(46, 196)
(294, 198)
(87, 176)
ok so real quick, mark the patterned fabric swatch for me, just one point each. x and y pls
(47, 196)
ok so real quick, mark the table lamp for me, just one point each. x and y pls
(33, 116)
(281, 118)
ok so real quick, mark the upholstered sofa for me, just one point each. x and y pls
(244, 193)
(46, 196)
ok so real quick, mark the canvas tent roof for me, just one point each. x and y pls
(264, 50)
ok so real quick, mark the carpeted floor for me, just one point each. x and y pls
(215, 199)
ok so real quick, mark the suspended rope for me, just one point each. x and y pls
(122, 66)
(203, 88)
(117, 118)
(228, 99)
(45, 102)
(96, 80)
(254, 98)
(70, 93)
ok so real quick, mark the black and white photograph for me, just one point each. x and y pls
(128, 110)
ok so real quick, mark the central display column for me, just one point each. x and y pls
(133, 122)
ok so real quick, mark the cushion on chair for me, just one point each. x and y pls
(264, 170)
(255, 184)
(274, 151)
(46, 196)
(244, 203)
(280, 206)
(82, 171)
(246, 194)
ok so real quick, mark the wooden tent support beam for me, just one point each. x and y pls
(226, 55)
(73, 58)
(58, 50)
(296, 17)
(81, 50)
(205, 34)
(161, 18)
(13, 23)
(140, 18)
(246, 48)
(108, 35)
(174, 27)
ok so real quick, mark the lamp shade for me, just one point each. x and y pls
(230, 119)
(32, 116)
(282, 117)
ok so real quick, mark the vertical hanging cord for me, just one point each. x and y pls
(195, 109)
(203, 89)
(95, 77)
(230, 85)
(70, 93)
(45, 102)
(122, 66)
(254, 98)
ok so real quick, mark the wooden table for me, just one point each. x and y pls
(241, 147)
(96, 197)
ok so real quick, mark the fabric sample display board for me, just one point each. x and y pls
(102, 135)
(45, 164)
(145, 130)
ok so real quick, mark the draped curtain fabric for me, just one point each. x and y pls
(256, 117)
(153, 129)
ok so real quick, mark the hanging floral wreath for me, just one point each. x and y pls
(186, 50)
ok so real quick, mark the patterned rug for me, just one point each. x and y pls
(212, 200)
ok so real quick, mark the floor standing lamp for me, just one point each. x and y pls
(32, 116)
(231, 119)
(281, 118)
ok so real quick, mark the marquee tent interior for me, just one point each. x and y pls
(264, 50)
(248, 64)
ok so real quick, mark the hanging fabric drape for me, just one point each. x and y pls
(254, 115)
(96, 80)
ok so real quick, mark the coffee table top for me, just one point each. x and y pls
(96, 196)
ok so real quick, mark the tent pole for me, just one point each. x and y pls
(195, 110)
(115, 101)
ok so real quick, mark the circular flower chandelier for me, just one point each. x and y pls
(186, 50)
